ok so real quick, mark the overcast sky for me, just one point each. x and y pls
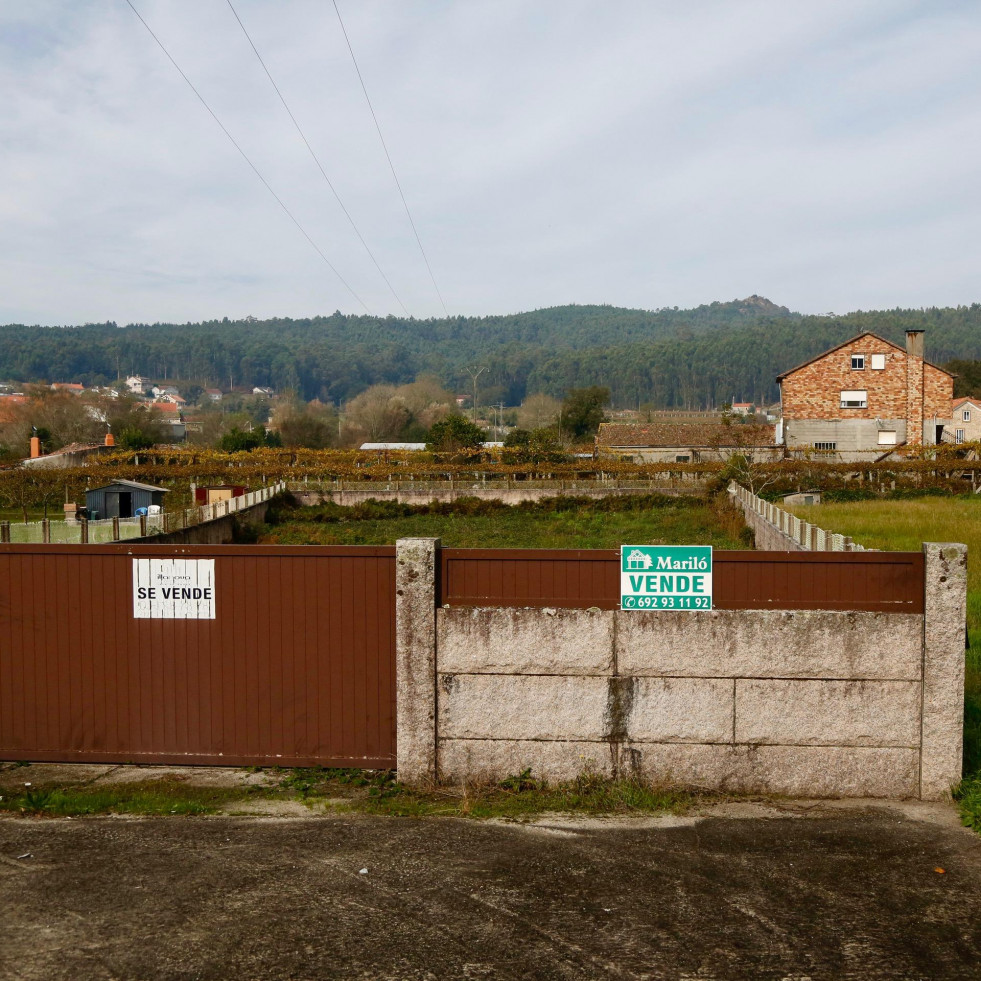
(643, 153)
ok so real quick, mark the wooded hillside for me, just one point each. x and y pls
(667, 357)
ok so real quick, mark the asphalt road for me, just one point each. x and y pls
(847, 895)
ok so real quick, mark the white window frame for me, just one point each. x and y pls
(878, 362)
(858, 362)
(958, 435)
(887, 432)
(966, 415)
(854, 398)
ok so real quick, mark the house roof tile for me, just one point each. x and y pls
(684, 435)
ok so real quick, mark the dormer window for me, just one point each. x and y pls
(858, 362)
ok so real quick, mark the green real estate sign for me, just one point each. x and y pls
(666, 577)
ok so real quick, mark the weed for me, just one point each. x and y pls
(523, 781)
(968, 797)
(558, 522)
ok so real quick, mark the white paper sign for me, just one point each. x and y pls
(174, 589)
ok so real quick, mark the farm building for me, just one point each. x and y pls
(685, 442)
(121, 498)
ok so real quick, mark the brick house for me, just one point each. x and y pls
(866, 396)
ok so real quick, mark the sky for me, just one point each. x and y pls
(641, 153)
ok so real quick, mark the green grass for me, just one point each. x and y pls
(16, 516)
(165, 796)
(903, 526)
(652, 519)
(351, 791)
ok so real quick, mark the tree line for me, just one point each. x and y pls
(666, 358)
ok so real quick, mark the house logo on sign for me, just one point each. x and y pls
(174, 589)
(638, 560)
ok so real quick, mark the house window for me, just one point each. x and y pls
(855, 399)
(825, 446)
(878, 362)
(967, 415)
(887, 437)
(958, 435)
(682, 459)
(858, 362)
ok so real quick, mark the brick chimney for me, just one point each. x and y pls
(914, 387)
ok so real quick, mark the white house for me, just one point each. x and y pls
(966, 424)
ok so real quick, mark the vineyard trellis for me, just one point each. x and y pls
(24, 489)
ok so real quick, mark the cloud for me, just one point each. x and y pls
(552, 151)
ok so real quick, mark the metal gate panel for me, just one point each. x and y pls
(297, 668)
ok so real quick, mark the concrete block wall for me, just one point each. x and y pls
(777, 530)
(808, 703)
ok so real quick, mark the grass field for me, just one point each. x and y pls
(903, 526)
(650, 519)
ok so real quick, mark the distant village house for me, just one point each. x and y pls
(687, 442)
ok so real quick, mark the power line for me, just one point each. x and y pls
(245, 157)
(316, 159)
(389, 158)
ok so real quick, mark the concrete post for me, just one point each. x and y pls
(415, 658)
(942, 721)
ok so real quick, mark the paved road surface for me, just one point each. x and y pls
(845, 895)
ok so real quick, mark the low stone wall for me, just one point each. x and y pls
(218, 531)
(513, 493)
(778, 530)
(767, 536)
(810, 703)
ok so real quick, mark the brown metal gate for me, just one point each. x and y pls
(296, 668)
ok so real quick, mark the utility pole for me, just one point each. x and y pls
(499, 407)
(474, 371)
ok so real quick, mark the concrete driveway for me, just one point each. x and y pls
(821, 893)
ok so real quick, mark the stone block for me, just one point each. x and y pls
(828, 713)
(481, 706)
(524, 641)
(495, 759)
(695, 710)
(943, 668)
(769, 643)
(415, 658)
(797, 771)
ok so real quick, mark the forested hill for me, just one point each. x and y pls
(667, 357)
